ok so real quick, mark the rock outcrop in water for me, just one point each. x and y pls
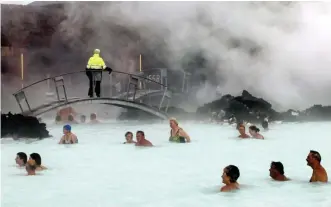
(253, 109)
(19, 126)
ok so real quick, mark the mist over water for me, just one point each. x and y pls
(276, 50)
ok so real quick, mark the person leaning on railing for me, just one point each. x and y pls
(94, 68)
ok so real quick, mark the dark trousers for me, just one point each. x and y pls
(92, 77)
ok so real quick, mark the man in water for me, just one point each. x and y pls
(94, 69)
(93, 119)
(229, 178)
(242, 132)
(314, 161)
(68, 137)
(141, 141)
(277, 171)
(21, 159)
(177, 134)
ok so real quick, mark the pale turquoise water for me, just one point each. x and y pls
(100, 171)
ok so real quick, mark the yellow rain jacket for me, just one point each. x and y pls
(96, 62)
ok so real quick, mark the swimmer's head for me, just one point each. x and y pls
(70, 118)
(82, 118)
(36, 157)
(66, 129)
(128, 136)
(314, 158)
(253, 130)
(140, 135)
(21, 158)
(276, 169)
(93, 116)
(241, 129)
(173, 122)
(230, 174)
(58, 118)
(31, 165)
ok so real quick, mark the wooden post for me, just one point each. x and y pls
(22, 69)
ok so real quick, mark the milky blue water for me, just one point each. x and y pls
(100, 171)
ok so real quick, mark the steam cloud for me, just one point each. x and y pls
(278, 51)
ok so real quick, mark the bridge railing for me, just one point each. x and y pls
(74, 85)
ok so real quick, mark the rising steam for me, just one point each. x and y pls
(278, 51)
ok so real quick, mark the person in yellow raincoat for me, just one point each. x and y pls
(94, 68)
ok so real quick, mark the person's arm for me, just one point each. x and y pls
(61, 140)
(74, 139)
(182, 133)
(88, 66)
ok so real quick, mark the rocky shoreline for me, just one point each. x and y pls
(19, 126)
(244, 108)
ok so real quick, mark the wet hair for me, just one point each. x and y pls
(233, 172)
(22, 156)
(127, 133)
(278, 166)
(254, 128)
(141, 132)
(58, 118)
(316, 155)
(36, 157)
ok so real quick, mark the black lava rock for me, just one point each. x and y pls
(19, 126)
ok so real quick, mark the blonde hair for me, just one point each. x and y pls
(174, 120)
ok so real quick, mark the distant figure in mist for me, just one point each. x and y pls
(94, 68)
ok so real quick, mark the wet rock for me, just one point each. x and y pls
(255, 110)
(19, 126)
(244, 107)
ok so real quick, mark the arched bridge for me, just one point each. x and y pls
(118, 89)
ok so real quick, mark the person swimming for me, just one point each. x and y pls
(82, 119)
(141, 140)
(21, 159)
(93, 119)
(242, 132)
(58, 119)
(276, 171)
(254, 132)
(68, 137)
(177, 134)
(229, 178)
(37, 158)
(129, 138)
(72, 120)
(314, 161)
(31, 167)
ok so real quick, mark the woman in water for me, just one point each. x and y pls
(30, 167)
(36, 157)
(129, 138)
(254, 132)
(68, 137)
(177, 134)
(229, 178)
